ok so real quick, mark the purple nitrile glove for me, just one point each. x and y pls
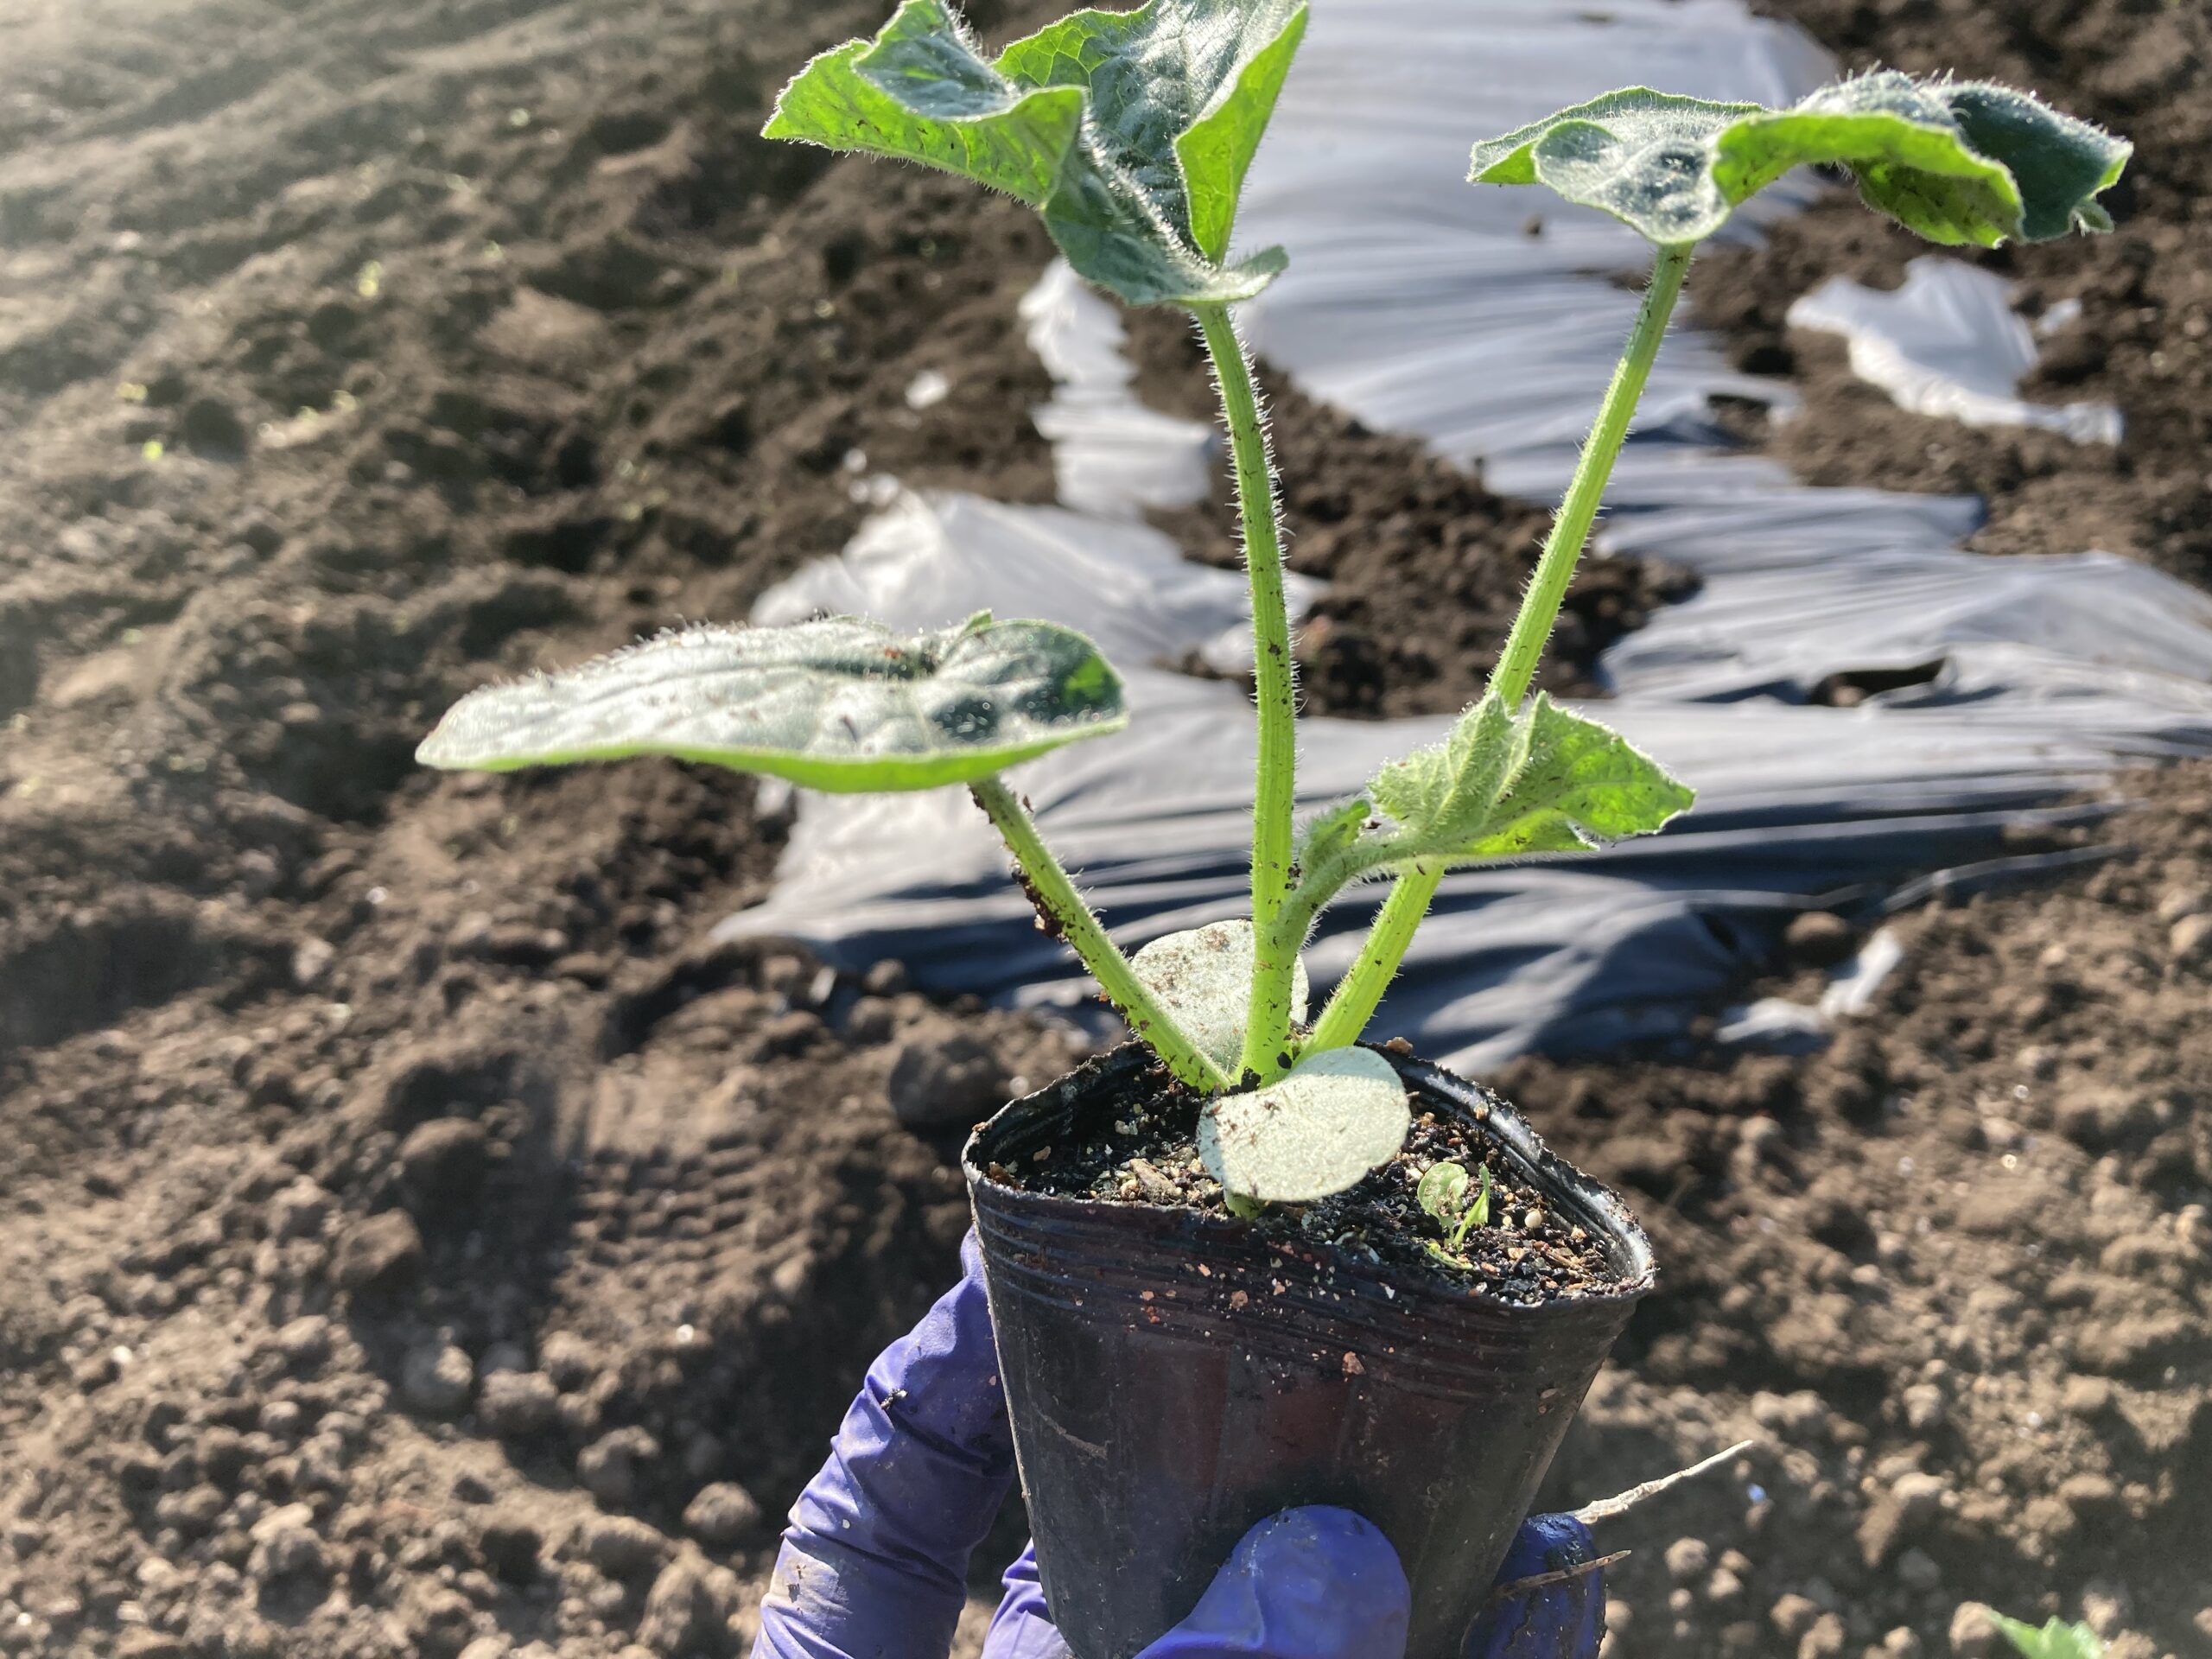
(874, 1563)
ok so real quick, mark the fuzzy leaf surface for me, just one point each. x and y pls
(1203, 978)
(840, 704)
(1333, 833)
(2054, 1641)
(1129, 132)
(1318, 1129)
(1445, 794)
(1571, 786)
(1956, 161)
(1502, 785)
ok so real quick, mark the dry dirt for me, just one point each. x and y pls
(415, 1236)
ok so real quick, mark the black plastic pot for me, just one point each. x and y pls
(1175, 1378)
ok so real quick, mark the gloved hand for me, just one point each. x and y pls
(874, 1563)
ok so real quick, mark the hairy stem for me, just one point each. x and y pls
(1273, 797)
(1062, 908)
(1532, 629)
(1360, 991)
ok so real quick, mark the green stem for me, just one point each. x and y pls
(1273, 797)
(1532, 629)
(1360, 991)
(1061, 907)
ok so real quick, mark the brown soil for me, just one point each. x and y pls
(1427, 567)
(414, 1236)
(383, 1144)
(2144, 341)
(1146, 1153)
(1955, 1272)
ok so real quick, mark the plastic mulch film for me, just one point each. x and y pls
(1948, 343)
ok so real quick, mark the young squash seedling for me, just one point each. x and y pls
(1443, 1192)
(1131, 134)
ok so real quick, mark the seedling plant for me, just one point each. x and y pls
(2054, 1639)
(1131, 135)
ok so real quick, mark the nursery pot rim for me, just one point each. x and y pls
(1628, 1248)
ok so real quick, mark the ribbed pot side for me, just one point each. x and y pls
(1175, 1379)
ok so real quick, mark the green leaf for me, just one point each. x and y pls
(1478, 1212)
(839, 704)
(1216, 151)
(1445, 794)
(1316, 1130)
(1501, 786)
(1333, 833)
(1443, 1193)
(2061, 165)
(1572, 785)
(2054, 1641)
(1130, 132)
(1203, 978)
(1956, 161)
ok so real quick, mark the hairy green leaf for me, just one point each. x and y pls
(1317, 1130)
(1446, 793)
(1572, 785)
(1956, 161)
(839, 704)
(2055, 1640)
(1203, 978)
(1542, 781)
(1333, 833)
(1130, 132)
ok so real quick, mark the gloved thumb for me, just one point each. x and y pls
(1307, 1584)
(1566, 1617)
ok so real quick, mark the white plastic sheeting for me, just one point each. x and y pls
(1948, 343)
(1487, 321)
(1427, 307)
(1111, 456)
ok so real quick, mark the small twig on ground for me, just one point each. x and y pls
(1520, 1587)
(1610, 1509)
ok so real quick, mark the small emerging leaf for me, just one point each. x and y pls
(1333, 833)
(1204, 980)
(1443, 1193)
(839, 704)
(1129, 132)
(1478, 1212)
(1318, 1130)
(1956, 161)
(1447, 792)
(2054, 1641)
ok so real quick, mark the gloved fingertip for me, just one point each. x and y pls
(1022, 1628)
(1314, 1583)
(1563, 1620)
(1342, 1544)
